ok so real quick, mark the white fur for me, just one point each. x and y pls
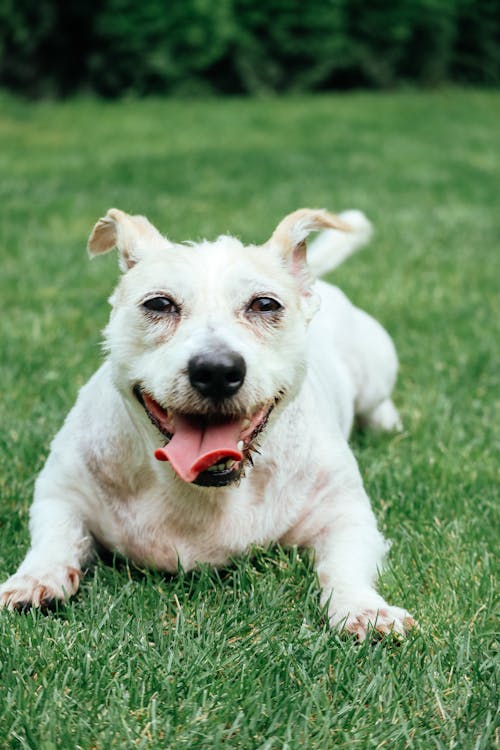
(331, 248)
(101, 481)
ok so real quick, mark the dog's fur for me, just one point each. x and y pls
(307, 374)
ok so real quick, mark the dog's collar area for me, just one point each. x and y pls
(205, 450)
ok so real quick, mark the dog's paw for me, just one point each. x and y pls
(385, 418)
(377, 620)
(22, 590)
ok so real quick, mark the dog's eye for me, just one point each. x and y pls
(162, 305)
(264, 305)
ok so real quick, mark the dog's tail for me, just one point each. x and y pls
(330, 248)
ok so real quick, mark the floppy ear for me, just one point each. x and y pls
(289, 239)
(133, 236)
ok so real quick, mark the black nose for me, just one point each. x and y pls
(217, 374)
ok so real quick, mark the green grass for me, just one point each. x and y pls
(243, 658)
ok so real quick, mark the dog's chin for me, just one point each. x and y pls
(226, 461)
(220, 478)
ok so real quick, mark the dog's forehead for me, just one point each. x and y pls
(199, 270)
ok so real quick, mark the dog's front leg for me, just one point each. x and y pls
(348, 553)
(349, 550)
(60, 546)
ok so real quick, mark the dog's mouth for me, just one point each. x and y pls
(205, 450)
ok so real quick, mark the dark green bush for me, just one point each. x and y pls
(288, 44)
(157, 45)
(244, 46)
(476, 54)
(44, 45)
(25, 29)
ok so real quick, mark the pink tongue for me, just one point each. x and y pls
(193, 449)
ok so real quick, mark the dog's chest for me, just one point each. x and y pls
(151, 528)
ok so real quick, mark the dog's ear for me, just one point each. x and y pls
(133, 236)
(289, 239)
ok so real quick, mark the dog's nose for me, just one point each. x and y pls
(217, 375)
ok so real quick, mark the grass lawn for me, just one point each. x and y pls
(242, 658)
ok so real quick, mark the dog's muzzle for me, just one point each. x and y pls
(206, 450)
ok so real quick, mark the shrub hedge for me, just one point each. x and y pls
(55, 47)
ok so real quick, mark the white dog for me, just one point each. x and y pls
(220, 417)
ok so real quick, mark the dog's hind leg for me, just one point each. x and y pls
(367, 353)
(384, 417)
(375, 377)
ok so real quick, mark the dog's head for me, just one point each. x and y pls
(208, 338)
